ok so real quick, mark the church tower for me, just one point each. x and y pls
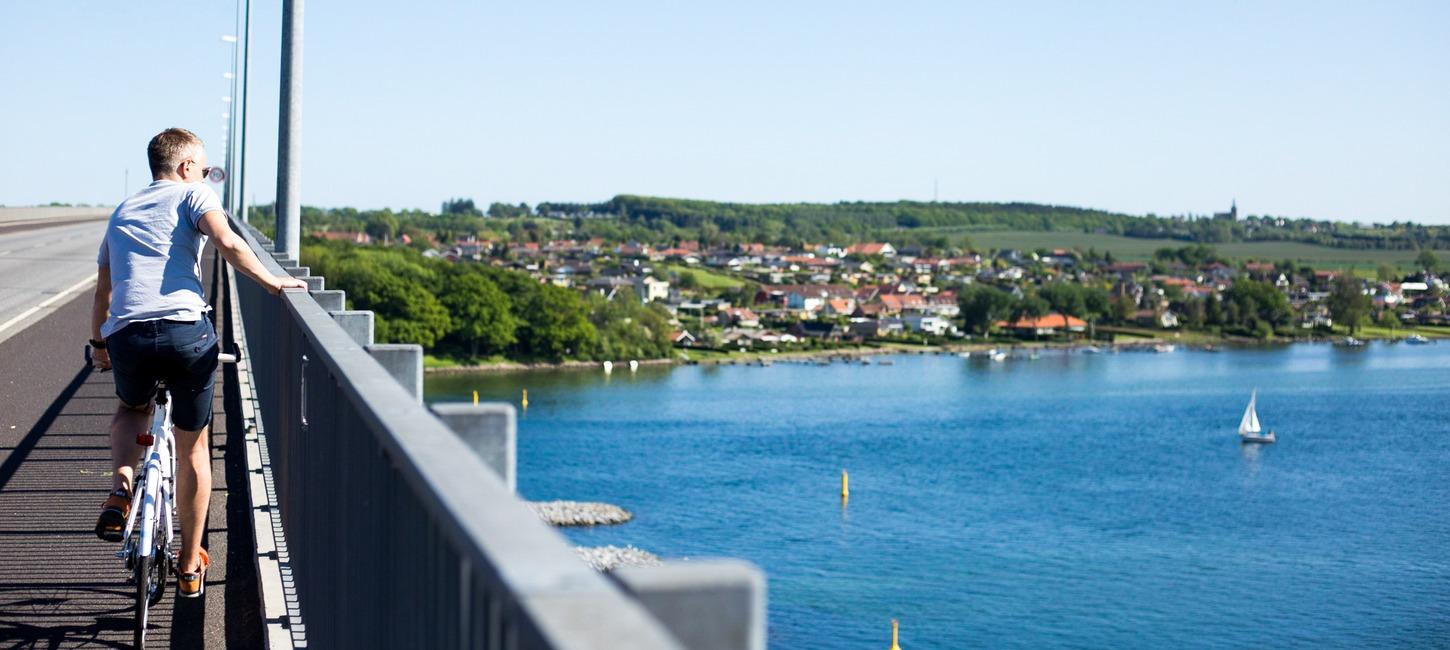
(1231, 215)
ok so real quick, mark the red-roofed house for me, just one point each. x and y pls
(1046, 325)
(895, 303)
(874, 248)
(840, 307)
(739, 317)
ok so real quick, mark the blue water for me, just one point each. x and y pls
(1072, 501)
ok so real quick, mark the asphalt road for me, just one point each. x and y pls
(38, 265)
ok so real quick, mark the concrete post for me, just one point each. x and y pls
(299, 271)
(289, 132)
(489, 429)
(404, 361)
(331, 299)
(358, 325)
(314, 282)
(706, 604)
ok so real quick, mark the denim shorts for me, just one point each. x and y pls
(181, 353)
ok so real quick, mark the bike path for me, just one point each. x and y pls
(59, 585)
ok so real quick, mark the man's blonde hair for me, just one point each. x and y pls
(169, 148)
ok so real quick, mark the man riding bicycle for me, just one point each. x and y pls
(149, 324)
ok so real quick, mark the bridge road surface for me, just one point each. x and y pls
(60, 586)
(39, 263)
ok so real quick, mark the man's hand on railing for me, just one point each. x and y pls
(275, 284)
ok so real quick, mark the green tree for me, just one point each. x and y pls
(382, 225)
(480, 312)
(688, 280)
(405, 309)
(1347, 302)
(1030, 306)
(1194, 313)
(554, 324)
(1252, 302)
(1386, 273)
(1124, 308)
(1212, 310)
(629, 329)
(1065, 298)
(1097, 302)
(982, 305)
(1427, 260)
(460, 206)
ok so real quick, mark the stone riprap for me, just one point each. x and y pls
(609, 558)
(579, 513)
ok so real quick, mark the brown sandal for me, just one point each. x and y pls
(113, 516)
(192, 585)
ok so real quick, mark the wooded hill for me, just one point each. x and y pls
(931, 222)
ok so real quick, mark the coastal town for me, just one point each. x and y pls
(755, 296)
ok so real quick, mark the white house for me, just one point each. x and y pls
(927, 324)
(649, 289)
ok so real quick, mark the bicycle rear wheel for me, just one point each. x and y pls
(150, 577)
(143, 598)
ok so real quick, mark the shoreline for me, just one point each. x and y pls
(755, 356)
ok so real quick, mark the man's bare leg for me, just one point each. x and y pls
(193, 492)
(126, 424)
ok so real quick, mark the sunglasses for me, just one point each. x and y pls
(213, 174)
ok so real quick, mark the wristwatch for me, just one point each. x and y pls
(98, 344)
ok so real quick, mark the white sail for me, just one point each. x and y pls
(1250, 423)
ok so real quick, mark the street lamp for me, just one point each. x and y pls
(227, 199)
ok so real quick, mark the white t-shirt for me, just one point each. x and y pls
(153, 245)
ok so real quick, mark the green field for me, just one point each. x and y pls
(1133, 248)
(707, 279)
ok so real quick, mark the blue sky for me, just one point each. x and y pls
(1330, 110)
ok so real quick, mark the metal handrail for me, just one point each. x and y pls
(368, 475)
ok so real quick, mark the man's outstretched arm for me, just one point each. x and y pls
(235, 251)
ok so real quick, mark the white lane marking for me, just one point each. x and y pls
(73, 289)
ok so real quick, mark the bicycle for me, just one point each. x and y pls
(146, 549)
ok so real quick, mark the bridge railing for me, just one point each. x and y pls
(399, 535)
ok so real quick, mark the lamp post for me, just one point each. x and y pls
(289, 132)
(241, 138)
(227, 198)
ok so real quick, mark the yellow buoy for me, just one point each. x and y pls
(845, 486)
(525, 401)
(475, 398)
(894, 645)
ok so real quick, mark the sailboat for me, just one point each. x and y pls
(1249, 426)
